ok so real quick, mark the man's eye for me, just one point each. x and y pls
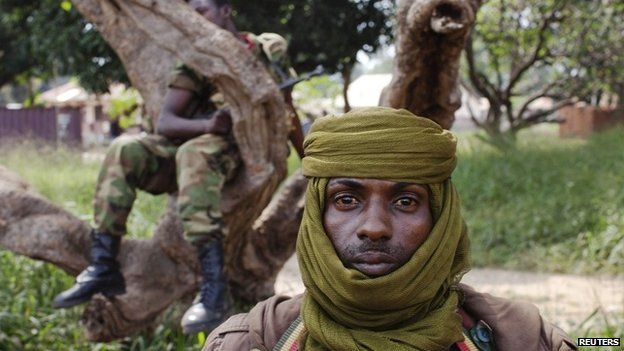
(346, 200)
(406, 202)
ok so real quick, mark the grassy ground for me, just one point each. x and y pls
(550, 205)
(27, 319)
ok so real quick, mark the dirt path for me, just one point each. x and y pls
(566, 300)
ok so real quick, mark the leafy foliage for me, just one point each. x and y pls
(317, 96)
(596, 42)
(524, 50)
(126, 108)
(49, 38)
(321, 32)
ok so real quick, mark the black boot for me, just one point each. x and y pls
(212, 304)
(102, 275)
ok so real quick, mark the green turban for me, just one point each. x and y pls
(413, 307)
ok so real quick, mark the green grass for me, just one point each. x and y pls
(601, 324)
(27, 287)
(550, 205)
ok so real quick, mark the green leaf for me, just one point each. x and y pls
(201, 338)
(66, 5)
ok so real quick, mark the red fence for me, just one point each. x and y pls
(49, 124)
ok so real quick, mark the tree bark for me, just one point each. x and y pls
(143, 32)
(430, 37)
(149, 37)
(346, 82)
(158, 271)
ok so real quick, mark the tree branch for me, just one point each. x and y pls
(519, 71)
(540, 115)
(541, 93)
(478, 79)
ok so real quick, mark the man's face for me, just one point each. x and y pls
(376, 225)
(211, 11)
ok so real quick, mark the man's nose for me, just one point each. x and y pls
(375, 222)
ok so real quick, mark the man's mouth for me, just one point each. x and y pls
(373, 263)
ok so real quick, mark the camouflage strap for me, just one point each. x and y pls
(478, 338)
(467, 344)
(290, 339)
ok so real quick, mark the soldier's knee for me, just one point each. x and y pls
(126, 147)
(204, 147)
(187, 148)
(186, 153)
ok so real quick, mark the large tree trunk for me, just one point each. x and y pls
(158, 271)
(430, 38)
(149, 36)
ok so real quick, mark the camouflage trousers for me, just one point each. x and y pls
(197, 169)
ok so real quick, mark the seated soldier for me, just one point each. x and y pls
(382, 248)
(192, 153)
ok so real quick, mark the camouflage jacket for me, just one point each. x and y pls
(269, 48)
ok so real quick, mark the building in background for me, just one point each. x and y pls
(69, 114)
(366, 90)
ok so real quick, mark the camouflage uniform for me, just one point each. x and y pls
(196, 168)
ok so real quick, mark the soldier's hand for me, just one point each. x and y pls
(221, 122)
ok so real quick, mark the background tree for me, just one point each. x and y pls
(430, 38)
(331, 33)
(523, 50)
(49, 38)
(595, 39)
(148, 37)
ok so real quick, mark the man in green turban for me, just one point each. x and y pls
(382, 248)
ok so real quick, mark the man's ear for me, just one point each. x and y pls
(226, 10)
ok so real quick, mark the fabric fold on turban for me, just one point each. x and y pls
(365, 145)
(414, 307)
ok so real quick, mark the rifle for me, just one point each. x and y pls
(290, 82)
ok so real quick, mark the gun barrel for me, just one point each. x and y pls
(305, 76)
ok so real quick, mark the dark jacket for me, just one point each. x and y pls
(517, 326)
